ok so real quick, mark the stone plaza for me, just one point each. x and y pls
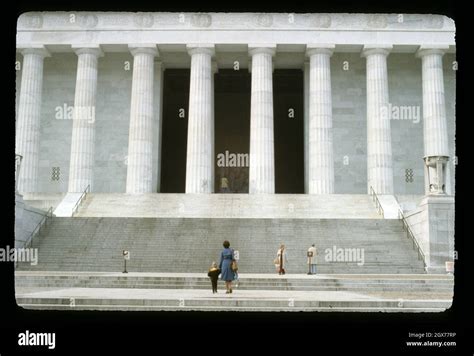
(164, 134)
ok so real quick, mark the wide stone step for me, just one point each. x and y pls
(357, 288)
(240, 300)
(230, 309)
(229, 206)
(443, 284)
(93, 268)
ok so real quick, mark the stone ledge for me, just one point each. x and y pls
(347, 31)
(32, 21)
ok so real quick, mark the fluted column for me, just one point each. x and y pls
(29, 117)
(200, 148)
(83, 128)
(320, 136)
(214, 70)
(306, 124)
(262, 160)
(435, 132)
(379, 142)
(140, 142)
(159, 69)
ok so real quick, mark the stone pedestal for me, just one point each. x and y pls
(438, 231)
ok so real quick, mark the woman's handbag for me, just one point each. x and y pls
(276, 261)
(233, 266)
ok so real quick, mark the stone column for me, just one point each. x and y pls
(435, 131)
(141, 134)
(379, 141)
(262, 160)
(320, 142)
(306, 125)
(158, 124)
(83, 128)
(200, 148)
(214, 70)
(29, 117)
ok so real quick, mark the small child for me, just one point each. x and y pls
(214, 275)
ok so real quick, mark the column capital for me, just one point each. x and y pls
(143, 48)
(88, 49)
(262, 48)
(201, 48)
(368, 50)
(424, 50)
(320, 49)
(35, 49)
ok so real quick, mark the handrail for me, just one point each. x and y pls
(79, 201)
(410, 234)
(375, 199)
(37, 229)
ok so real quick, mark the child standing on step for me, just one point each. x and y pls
(214, 275)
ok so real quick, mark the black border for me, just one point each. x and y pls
(170, 332)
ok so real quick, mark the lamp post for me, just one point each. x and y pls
(126, 257)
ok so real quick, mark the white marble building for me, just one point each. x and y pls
(353, 65)
(378, 94)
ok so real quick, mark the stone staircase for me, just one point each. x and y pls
(173, 238)
(191, 244)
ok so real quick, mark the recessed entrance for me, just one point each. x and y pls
(232, 130)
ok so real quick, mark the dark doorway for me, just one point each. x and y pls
(174, 130)
(289, 130)
(232, 130)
